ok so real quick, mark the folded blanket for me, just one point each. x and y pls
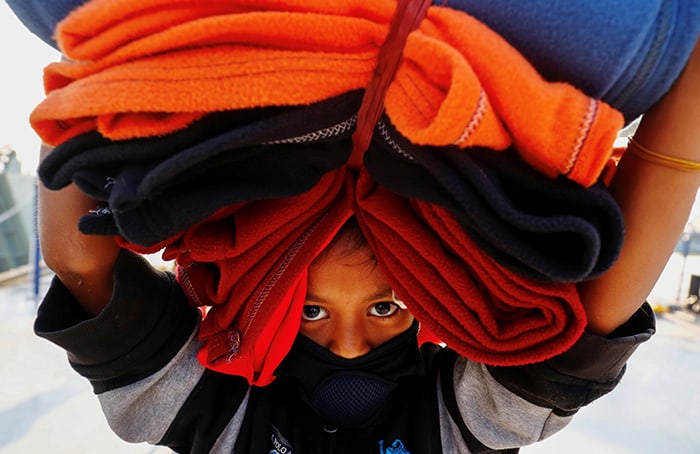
(147, 183)
(551, 230)
(475, 306)
(255, 278)
(248, 262)
(224, 180)
(215, 134)
(459, 84)
(625, 52)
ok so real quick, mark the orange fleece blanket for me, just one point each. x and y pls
(144, 68)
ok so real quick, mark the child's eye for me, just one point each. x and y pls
(312, 313)
(383, 309)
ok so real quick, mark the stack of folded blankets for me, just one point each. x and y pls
(220, 132)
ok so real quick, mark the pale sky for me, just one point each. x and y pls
(23, 57)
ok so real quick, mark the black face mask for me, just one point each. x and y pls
(351, 392)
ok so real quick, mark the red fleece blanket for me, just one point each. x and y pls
(474, 305)
(143, 68)
(248, 262)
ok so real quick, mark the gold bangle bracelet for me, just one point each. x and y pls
(662, 159)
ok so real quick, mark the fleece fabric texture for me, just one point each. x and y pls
(550, 230)
(248, 262)
(625, 52)
(143, 69)
(146, 184)
(173, 156)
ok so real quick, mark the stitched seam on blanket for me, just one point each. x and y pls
(584, 131)
(475, 120)
(189, 288)
(262, 296)
(391, 142)
(319, 135)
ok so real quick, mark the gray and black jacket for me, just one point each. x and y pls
(139, 355)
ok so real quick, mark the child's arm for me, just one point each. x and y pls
(83, 263)
(502, 407)
(655, 200)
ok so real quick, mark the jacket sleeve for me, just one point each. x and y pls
(145, 324)
(139, 354)
(500, 408)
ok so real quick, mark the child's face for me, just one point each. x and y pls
(349, 309)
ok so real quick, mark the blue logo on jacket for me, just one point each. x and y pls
(395, 448)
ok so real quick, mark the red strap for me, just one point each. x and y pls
(408, 16)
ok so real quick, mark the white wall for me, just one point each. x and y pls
(675, 278)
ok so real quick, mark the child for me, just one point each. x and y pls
(356, 379)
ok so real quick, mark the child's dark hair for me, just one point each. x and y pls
(348, 240)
